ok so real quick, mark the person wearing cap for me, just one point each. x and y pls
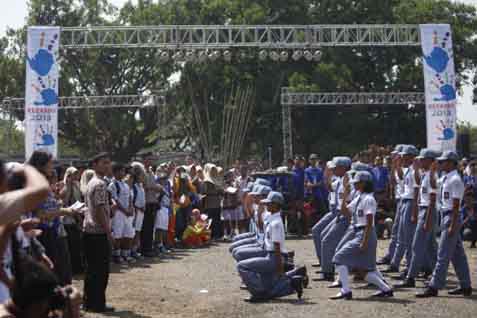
(337, 168)
(313, 186)
(424, 247)
(409, 208)
(265, 277)
(299, 191)
(334, 232)
(259, 219)
(395, 186)
(451, 248)
(357, 249)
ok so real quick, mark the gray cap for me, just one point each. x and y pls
(427, 153)
(263, 182)
(449, 155)
(313, 156)
(359, 166)
(342, 162)
(261, 190)
(397, 149)
(330, 164)
(409, 150)
(362, 176)
(274, 197)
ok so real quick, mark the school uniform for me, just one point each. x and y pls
(406, 227)
(451, 248)
(122, 224)
(253, 248)
(424, 246)
(349, 254)
(260, 274)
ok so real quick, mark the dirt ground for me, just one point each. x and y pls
(204, 283)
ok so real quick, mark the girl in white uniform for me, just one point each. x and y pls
(357, 250)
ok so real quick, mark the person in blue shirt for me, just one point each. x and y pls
(299, 190)
(381, 180)
(314, 184)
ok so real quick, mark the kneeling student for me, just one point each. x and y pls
(264, 277)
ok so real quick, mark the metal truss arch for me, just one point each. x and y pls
(177, 37)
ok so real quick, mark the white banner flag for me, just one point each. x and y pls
(41, 90)
(439, 77)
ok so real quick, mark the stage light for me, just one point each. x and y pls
(190, 56)
(178, 56)
(297, 55)
(274, 56)
(284, 56)
(213, 56)
(317, 55)
(164, 56)
(308, 55)
(227, 55)
(202, 56)
(262, 55)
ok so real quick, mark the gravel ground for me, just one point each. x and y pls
(204, 283)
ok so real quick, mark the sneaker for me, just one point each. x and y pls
(136, 255)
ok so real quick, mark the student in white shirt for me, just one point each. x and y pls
(451, 248)
(357, 249)
(264, 277)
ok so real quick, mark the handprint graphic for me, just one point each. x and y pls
(439, 58)
(445, 88)
(48, 93)
(447, 133)
(44, 59)
(44, 137)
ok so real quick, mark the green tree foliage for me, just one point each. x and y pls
(325, 130)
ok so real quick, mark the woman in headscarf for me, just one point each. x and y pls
(70, 194)
(183, 192)
(85, 179)
(212, 199)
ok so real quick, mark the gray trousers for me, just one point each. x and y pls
(245, 241)
(451, 249)
(333, 235)
(260, 276)
(424, 246)
(243, 236)
(394, 231)
(318, 229)
(249, 251)
(405, 236)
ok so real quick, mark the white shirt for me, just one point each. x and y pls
(332, 194)
(451, 188)
(124, 192)
(409, 184)
(275, 233)
(140, 200)
(338, 189)
(399, 185)
(362, 205)
(265, 220)
(426, 189)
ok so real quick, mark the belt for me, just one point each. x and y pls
(423, 206)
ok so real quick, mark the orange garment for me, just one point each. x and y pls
(178, 193)
(195, 235)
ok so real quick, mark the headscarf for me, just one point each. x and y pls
(207, 174)
(85, 179)
(74, 190)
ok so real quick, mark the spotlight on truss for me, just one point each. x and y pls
(164, 56)
(202, 56)
(213, 56)
(284, 56)
(274, 56)
(178, 56)
(190, 56)
(262, 55)
(308, 55)
(227, 55)
(297, 55)
(317, 55)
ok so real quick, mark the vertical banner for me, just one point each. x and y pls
(41, 90)
(439, 77)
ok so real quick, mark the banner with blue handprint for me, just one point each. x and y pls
(41, 90)
(440, 89)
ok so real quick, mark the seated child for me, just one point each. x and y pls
(197, 233)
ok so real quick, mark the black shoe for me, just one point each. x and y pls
(402, 276)
(316, 265)
(383, 261)
(426, 274)
(335, 285)
(301, 271)
(407, 283)
(428, 292)
(255, 300)
(384, 294)
(467, 292)
(297, 284)
(472, 245)
(306, 281)
(243, 287)
(391, 269)
(325, 277)
(347, 296)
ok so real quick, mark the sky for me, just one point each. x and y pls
(15, 13)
